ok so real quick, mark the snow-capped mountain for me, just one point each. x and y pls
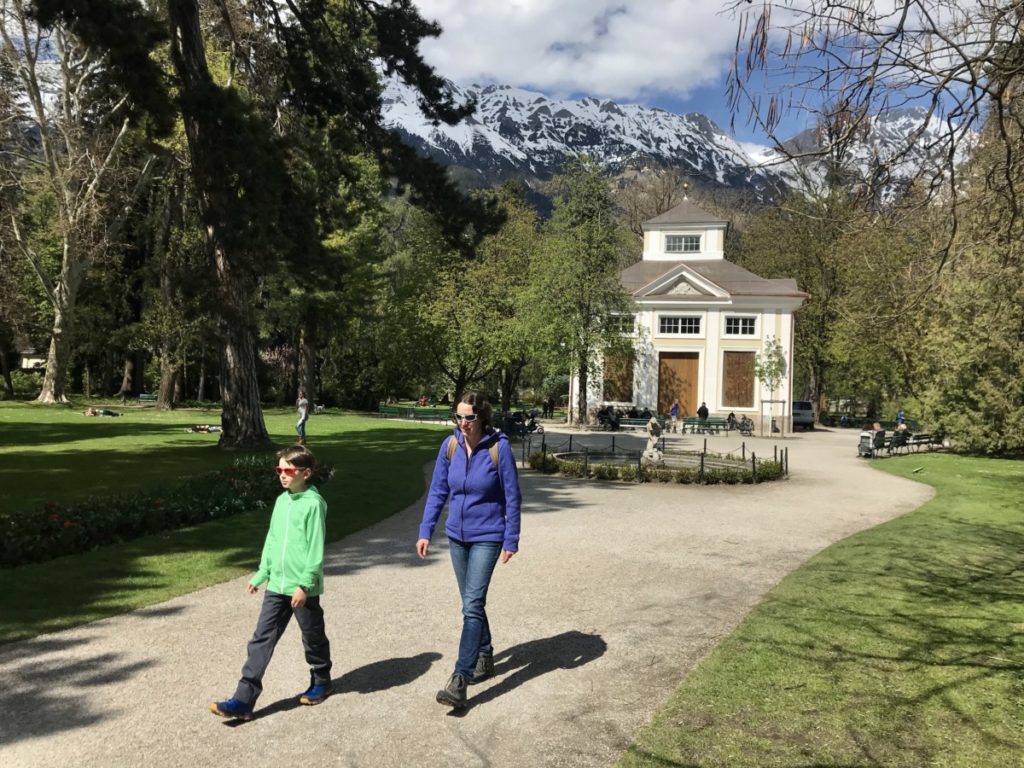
(516, 132)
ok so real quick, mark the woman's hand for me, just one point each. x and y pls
(422, 547)
(506, 555)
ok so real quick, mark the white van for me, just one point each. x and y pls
(803, 414)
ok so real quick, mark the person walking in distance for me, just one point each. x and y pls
(475, 473)
(673, 416)
(300, 427)
(292, 566)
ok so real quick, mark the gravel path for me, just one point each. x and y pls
(618, 592)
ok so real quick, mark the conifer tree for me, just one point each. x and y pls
(251, 207)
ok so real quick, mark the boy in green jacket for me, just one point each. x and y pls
(292, 565)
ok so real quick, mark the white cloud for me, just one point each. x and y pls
(620, 50)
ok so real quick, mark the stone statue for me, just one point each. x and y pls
(652, 454)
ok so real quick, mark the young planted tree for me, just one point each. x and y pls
(770, 369)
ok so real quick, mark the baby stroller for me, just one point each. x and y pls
(870, 442)
(513, 424)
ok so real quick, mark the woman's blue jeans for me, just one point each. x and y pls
(473, 563)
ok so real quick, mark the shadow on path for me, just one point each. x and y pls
(45, 694)
(371, 678)
(538, 657)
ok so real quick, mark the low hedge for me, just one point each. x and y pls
(549, 464)
(53, 530)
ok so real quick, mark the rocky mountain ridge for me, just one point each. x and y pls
(526, 134)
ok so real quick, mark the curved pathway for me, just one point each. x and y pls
(618, 591)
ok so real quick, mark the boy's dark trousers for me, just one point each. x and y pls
(274, 616)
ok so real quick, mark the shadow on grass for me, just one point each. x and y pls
(899, 646)
(378, 473)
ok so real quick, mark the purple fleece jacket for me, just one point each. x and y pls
(484, 498)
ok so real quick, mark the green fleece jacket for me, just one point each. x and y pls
(293, 554)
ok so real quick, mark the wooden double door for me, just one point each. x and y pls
(677, 378)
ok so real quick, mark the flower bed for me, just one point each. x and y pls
(53, 530)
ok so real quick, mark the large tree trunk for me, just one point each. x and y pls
(509, 383)
(307, 360)
(581, 396)
(201, 385)
(55, 378)
(179, 386)
(169, 373)
(127, 379)
(5, 371)
(242, 417)
(460, 380)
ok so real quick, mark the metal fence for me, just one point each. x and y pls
(620, 449)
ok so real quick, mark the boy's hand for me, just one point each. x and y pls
(422, 546)
(251, 589)
(298, 597)
(506, 555)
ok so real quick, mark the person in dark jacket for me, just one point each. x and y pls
(475, 473)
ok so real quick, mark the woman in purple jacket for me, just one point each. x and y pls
(476, 474)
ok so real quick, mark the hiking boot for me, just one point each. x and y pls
(453, 694)
(316, 694)
(484, 668)
(232, 709)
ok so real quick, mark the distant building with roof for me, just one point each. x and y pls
(700, 321)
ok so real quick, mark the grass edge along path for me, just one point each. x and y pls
(902, 645)
(378, 473)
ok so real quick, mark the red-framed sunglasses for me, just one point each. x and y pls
(289, 471)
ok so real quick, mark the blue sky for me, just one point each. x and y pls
(673, 54)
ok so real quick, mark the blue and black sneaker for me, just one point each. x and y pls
(316, 693)
(232, 709)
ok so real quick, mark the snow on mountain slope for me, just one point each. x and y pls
(516, 132)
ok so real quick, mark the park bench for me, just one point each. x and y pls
(897, 442)
(715, 424)
(431, 414)
(923, 441)
(147, 398)
(411, 412)
(630, 423)
(905, 443)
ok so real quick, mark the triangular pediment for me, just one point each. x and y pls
(681, 282)
(683, 287)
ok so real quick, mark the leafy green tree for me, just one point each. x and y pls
(252, 207)
(504, 320)
(574, 278)
(797, 239)
(82, 129)
(973, 345)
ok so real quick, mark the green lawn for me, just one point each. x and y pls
(54, 453)
(900, 646)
